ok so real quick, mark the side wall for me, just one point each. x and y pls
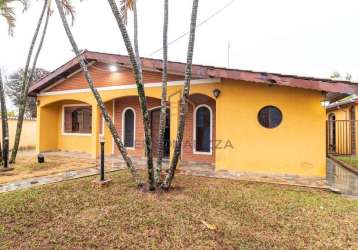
(296, 146)
(28, 133)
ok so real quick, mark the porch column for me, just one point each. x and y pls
(38, 129)
(174, 119)
(47, 128)
(96, 115)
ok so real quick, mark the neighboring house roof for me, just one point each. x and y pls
(342, 103)
(335, 89)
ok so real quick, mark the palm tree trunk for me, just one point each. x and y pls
(5, 126)
(183, 102)
(39, 48)
(22, 109)
(98, 98)
(135, 35)
(141, 93)
(163, 111)
(25, 87)
(0, 153)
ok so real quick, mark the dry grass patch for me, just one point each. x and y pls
(350, 160)
(198, 213)
(26, 166)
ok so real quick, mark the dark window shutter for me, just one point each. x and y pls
(203, 130)
(68, 120)
(129, 128)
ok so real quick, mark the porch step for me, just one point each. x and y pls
(335, 190)
(185, 167)
(196, 165)
(195, 168)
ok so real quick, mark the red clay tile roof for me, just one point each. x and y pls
(332, 87)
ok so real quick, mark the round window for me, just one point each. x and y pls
(270, 117)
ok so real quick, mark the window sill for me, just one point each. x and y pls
(202, 153)
(76, 134)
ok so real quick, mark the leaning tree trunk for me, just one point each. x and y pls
(184, 99)
(25, 88)
(39, 48)
(98, 98)
(163, 110)
(4, 125)
(141, 93)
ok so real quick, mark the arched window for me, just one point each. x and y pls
(128, 127)
(202, 129)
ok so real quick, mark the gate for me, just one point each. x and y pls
(341, 136)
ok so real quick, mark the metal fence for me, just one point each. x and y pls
(342, 137)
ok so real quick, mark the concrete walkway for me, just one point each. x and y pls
(342, 178)
(115, 164)
(36, 181)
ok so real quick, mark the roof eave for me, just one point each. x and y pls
(201, 71)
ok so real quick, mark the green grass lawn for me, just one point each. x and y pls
(350, 160)
(198, 213)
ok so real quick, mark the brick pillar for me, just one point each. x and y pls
(174, 119)
(353, 130)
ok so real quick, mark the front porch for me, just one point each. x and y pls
(75, 125)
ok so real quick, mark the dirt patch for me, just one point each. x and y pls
(26, 166)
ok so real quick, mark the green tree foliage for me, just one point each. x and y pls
(13, 89)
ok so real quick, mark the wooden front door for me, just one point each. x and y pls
(154, 123)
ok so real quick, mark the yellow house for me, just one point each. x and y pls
(236, 120)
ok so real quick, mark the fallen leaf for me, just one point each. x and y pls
(209, 226)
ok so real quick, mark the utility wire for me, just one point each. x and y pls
(198, 25)
(181, 36)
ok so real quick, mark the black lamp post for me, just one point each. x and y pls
(101, 141)
(6, 156)
(102, 181)
(6, 166)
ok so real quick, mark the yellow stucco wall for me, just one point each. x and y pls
(28, 134)
(296, 147)
(47, 128)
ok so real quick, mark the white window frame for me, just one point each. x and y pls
(134, 125)
(211, 130)
(63, 119)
